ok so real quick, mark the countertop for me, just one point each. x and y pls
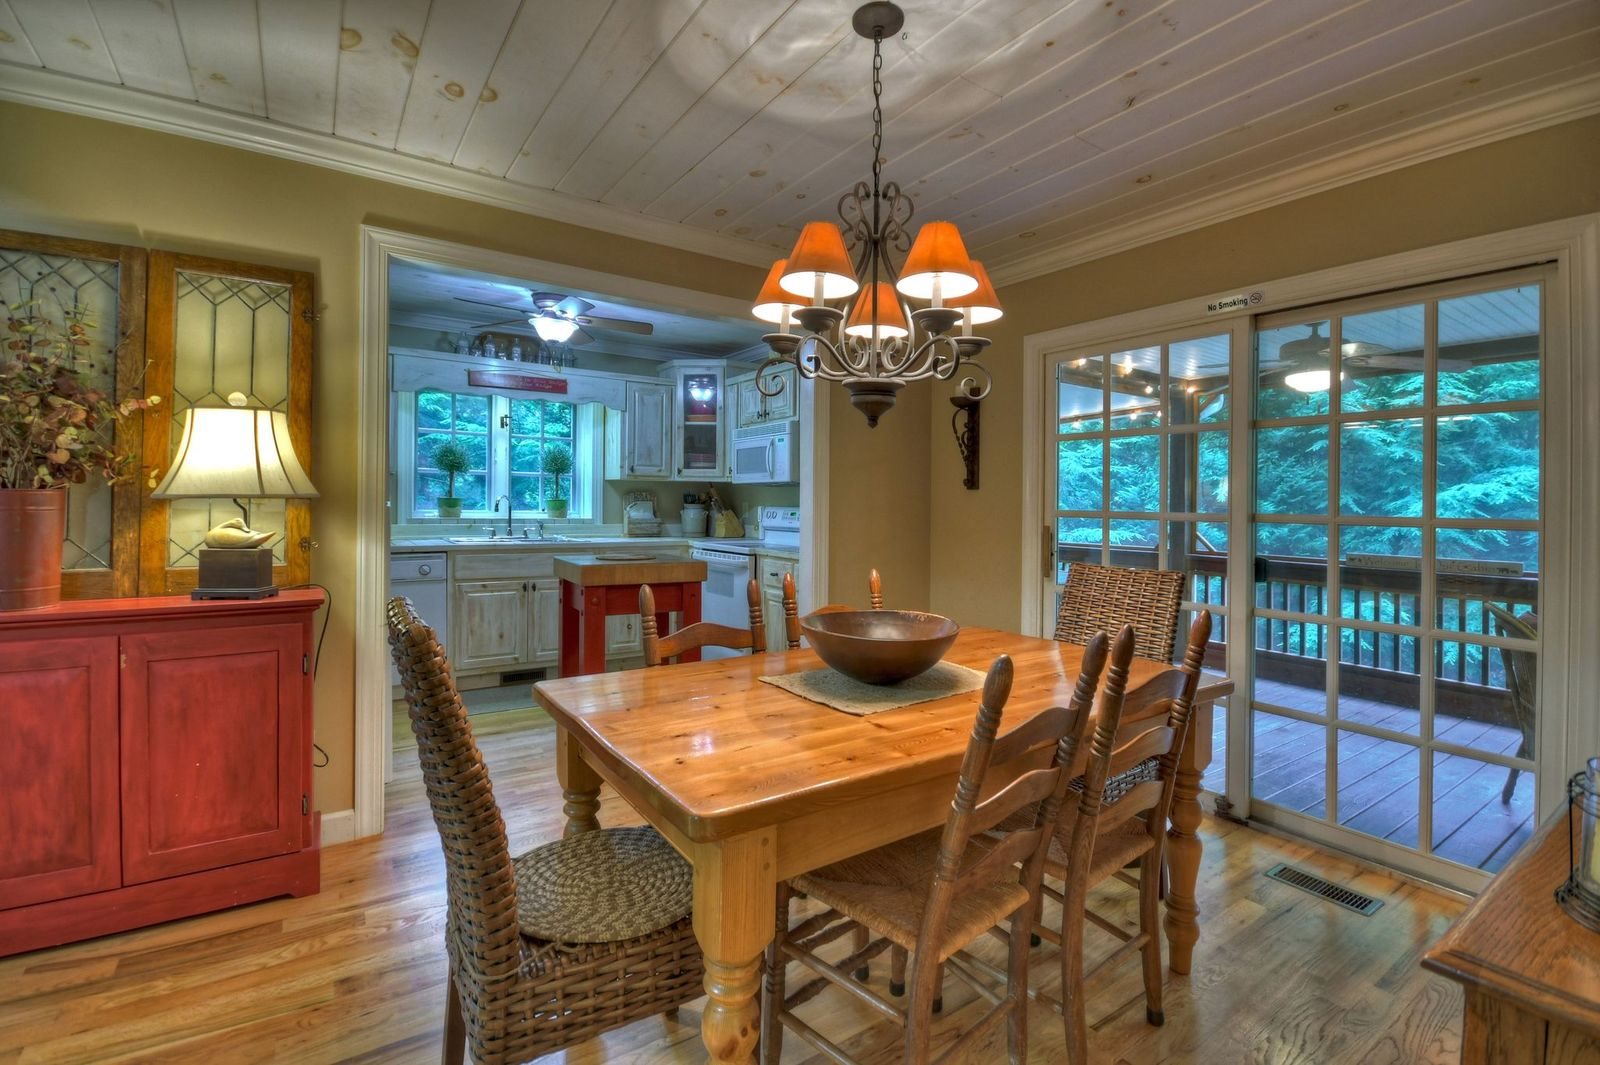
(569, 544)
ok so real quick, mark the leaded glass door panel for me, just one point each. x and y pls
(104, 284)
(218, 328)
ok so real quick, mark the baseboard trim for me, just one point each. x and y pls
(338, 827)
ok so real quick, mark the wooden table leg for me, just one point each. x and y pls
(735, 890)
(580, 786)
(1183, 843)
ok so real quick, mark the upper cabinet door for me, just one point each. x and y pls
(647, 431)
(216, 328)
(701, 421)
(103, 286)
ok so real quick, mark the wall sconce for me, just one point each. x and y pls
(965, 424)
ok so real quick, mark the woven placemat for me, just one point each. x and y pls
(602, 886)
(831, 688)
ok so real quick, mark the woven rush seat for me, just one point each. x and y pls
(597, 887)
(887, 890)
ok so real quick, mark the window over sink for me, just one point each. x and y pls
(510, 444)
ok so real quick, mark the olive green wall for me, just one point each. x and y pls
(975, 549)
(81, 177)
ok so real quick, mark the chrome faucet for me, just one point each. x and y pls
(507, 501)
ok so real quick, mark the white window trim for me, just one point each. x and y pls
(585, 507)
(1571, 517)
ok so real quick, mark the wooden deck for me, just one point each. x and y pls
(1379, 779)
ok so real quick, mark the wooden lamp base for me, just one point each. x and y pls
(235, 573)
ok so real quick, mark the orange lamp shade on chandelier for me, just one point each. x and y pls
(887, 316)
(879, 340)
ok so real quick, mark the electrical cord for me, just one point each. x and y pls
(316, 657)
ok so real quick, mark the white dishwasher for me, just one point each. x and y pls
(423, 580)
(724, 597)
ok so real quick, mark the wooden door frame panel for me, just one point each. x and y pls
(122, 579)
(155, 576)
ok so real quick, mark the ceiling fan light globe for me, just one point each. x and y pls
(1310, 380)
(554, 330)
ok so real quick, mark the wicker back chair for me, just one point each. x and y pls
(1522, 682)
(659, 649)
(1123, 801)
(537, 958)
(936, 892)
(1105, 598)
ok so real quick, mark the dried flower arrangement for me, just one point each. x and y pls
(55, 426)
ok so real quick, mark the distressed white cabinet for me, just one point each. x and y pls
(622, 637)
(700, 420)
(639, 439)
(545, 637)
(770, 572)
(490, 624)
(755, 409)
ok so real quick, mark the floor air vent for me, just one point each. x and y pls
(1327, 889)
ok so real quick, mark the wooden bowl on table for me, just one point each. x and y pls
(879, 646)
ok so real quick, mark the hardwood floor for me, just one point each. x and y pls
(356, 973)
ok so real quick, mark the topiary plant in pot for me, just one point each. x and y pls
(557, 464)
(450, 459)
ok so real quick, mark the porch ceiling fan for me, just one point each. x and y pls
(1307, 359)
(561, 319)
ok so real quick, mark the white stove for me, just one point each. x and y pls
(731, 565)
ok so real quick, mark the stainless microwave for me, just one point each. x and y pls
(773, 458)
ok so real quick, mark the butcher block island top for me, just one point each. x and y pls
(621, 566)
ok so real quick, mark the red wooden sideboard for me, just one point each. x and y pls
(155, 762)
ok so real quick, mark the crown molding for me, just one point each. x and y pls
(118, 103)
(1394, 152)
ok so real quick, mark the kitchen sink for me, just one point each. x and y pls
(510, 539)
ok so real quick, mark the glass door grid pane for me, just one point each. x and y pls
(1376, 702)
(1126, 420)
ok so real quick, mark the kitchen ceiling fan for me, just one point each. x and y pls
(562, 319)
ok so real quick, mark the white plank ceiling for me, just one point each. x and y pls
(1032, 124)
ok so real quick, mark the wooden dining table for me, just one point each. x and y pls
(754, 785)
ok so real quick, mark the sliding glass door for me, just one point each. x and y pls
(1394, 689)
(1355, 490)
(1143, 475)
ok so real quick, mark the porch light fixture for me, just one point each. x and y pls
(876, 342)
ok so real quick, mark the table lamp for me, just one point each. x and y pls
(237, 452)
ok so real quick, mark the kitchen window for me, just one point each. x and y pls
(509, 443)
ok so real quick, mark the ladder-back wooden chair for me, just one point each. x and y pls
(1522, 682)
(560, 944)
(1105, 598)
(1116, 814)
(660, 648)
(936, 892)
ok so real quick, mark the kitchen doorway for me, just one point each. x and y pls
(382, 251)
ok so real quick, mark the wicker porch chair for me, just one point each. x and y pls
(1105, 598)
(934, 893)
(551, 948)
(659, 648)
(1522, 682)
(1116, 814)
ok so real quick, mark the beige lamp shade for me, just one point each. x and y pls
(891, 320)
(229, 452)
(981, 304)
(938, 258)
(774, 304)
(820, 254)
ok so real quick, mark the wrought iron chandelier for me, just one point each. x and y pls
(876, 342)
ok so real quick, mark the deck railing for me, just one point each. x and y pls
(1470, 676)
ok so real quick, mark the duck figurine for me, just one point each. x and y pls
(235, 533)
